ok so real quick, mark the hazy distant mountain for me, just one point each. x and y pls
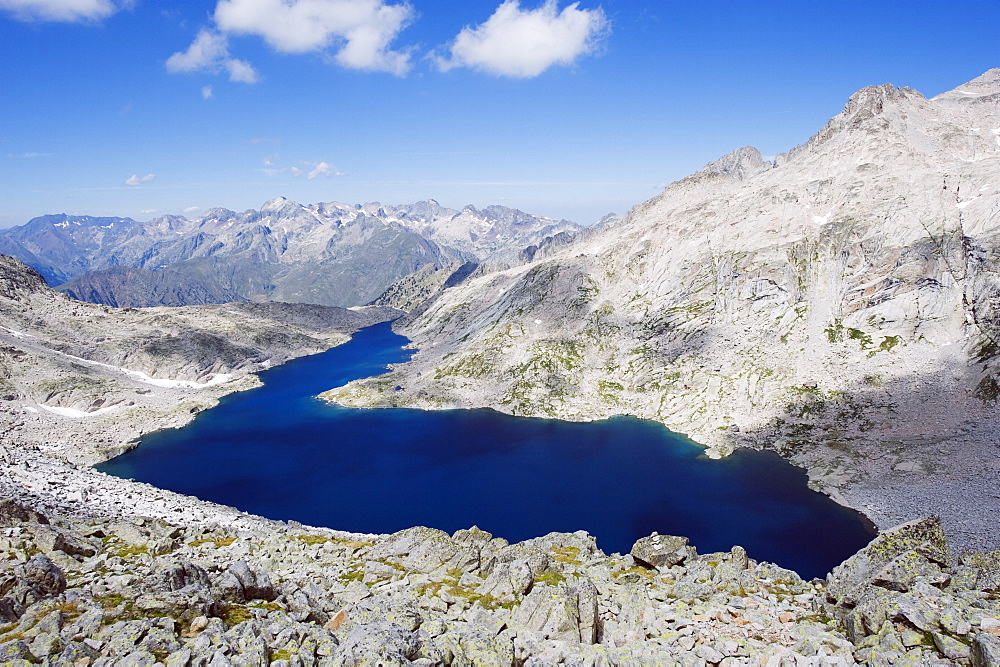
(328, 253)
(127, 287)
(479, 232)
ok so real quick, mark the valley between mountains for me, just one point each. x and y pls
(839, 305)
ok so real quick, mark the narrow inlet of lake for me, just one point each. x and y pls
(279, 452)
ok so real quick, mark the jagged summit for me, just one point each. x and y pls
(277, 204)
(743, 163)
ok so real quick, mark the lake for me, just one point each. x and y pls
(279, 452)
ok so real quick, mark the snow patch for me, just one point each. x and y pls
(73, 413)
(538, 321)
(28, 408)
(17, 334)
(217, 378)
(963, 204)
(822, 219)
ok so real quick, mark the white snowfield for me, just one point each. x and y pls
(73, 413)
(216, 379)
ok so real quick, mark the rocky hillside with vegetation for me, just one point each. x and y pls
(837, 304)
(85, 380)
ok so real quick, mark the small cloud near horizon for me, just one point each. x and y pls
(206, 92)
(322, 169)
(192, 209)
(310, 170)
(523, 43)
(136, 179)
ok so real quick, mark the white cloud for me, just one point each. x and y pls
(308, 169)
(524, 43)
(240, 70)
(61, 10)
(147, 211)
(136, 179)
(206, 92)
(192, 209)
(321, 169)
(209, 52)
(362, 30)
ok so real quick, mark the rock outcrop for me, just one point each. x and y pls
(837, 305)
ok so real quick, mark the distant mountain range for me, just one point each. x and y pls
(327, 253)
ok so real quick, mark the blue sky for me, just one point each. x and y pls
(141, 108)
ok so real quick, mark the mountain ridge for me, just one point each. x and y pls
(328, 253)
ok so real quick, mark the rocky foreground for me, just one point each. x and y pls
(90, 580)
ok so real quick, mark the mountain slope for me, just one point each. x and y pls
(838, 305)
(84, 379)
(126, 287)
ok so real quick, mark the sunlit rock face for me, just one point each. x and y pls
(838, 303)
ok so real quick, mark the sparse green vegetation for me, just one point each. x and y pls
(568, 555)
(219, 542)
(888, 343)
(873, 380)
(857, 334)
(988, 390)
(234, 614)
(551, 578)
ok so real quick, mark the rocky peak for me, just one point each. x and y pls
(278, 204)
(18, 279)
(874, 99)
(870, 111)
(427, 209)
(508, 215)
(742, 163)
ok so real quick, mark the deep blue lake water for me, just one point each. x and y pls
(279, 452)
